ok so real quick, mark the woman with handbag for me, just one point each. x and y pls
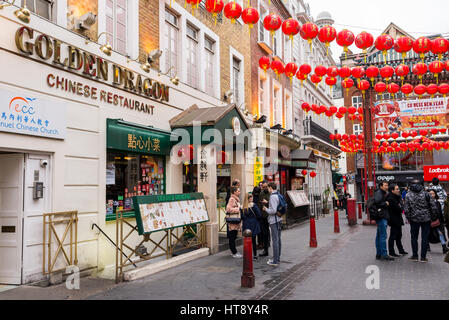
(437, 227)
(233, 220)
(250, 218)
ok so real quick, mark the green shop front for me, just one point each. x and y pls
(136, 164)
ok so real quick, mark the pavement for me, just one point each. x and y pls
(334, 270)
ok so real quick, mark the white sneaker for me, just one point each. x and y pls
(237, 255)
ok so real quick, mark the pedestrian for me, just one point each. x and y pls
(446, 214)
(404, 193)
(256, 194)
(382, 220)
(395, 222)
(233, 219)
(275, 224)
(235, 183)
(250, 215)
(264, 199)
(418, 212)
(437, 224)
(442, 195)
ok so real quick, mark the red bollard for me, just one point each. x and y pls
(360, 211)
(352, 214)
(336, 222)
(313, 241)
(248, 279)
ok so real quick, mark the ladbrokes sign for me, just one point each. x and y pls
(440, 172)
(84, 63)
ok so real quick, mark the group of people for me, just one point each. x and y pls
(260, 214)
(426, 209)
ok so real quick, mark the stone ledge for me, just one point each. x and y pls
(150, 269)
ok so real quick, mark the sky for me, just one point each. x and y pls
(417, 17)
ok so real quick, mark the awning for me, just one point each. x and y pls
(132, 137)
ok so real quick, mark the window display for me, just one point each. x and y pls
(129, 175)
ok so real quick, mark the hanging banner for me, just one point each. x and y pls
(411, 115)
(258, 170)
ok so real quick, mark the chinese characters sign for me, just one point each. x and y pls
(203, 165)
(409, 115)
(27, 114)
(258, 170)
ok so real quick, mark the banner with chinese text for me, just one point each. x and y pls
(258, 170)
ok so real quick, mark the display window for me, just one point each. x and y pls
(131, 174)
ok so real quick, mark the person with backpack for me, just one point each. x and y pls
(250, 215)
(418, 210)
(277, 207)
(379, 213)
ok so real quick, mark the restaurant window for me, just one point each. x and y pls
(132, 174)
(192, 56)
(116, 24)
(42, 8)
(171, 42)
(209, 46)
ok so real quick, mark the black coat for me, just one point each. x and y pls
(395, 210)
(380, 201)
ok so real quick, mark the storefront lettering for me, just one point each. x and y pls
(143, 143)
(79, 61)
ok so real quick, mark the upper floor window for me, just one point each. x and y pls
(357, 129)
(171, 33)
(236, 65)
(357, 101)
(209, 46)
(43, 8)
(263, 33)
(116, 24)
(192, 56)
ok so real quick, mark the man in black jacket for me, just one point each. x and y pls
(418, 212)
(382, 220)
(264, 201)
(396, 222)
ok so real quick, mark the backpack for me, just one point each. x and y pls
(372, 209)
(282, 207)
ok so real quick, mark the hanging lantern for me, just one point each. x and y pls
(443, 89)
(332, 71)
(405, 134)
(423, 133)
(290, 70)
(315, 79)
(342, 110)
(436, 67)
(339, 115)
(384, 43)
(420, 69)
(326, 35)
(333, 109)
(363, 86)
(360, 118)
(387, 72)
(332, 137)
(372, 72)
(421, 46)
(320, 71)
(402, 71)
(407, 89)
(442, 131)
(387, 136)
(290, 28)
(272, 23)
(364, 41)
(434, 131)
(432, 89)
(315, 108)
(264, 63)
(414, 134)
(393, 88)
(345, 38)
(306, 107)
(344, 72)
(352, 110)
(308, 32)
(304, 172)
(233, 11)
(358, 73)
(313, 174)
(379, 136)
(331, 81)
(380, 87)
(395, 135)
(305, 69)
(328, 113)
(250, 16)
(301, 77)
(277, 67)
(347, 84)
(439, 47)
(420, 90)
(215, 7)
(403, 45)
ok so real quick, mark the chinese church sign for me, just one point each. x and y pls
(131, 138)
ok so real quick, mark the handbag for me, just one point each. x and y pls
(435, 223)
(233, 220)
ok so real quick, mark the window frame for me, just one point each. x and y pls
(115, 22)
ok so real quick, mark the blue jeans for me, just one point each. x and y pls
(425, 230)
(442, 238)
(381, 238)
(276, 241)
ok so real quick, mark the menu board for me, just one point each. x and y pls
(162, 212)
(298, 198)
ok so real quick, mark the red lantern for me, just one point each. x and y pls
(333, 109)
(379, 136)
(264, 63)
(277, 67)
(420, 69)
(320, 71)
(326, 35)
(407, 89)
(290, 27)
(439, 47)
(360, 117)
(345, 38)
(363, 85)
(233, 11)
(423, 133)
(328, 113)
(384, 43)
(414, 134)
(421, 46)
(402, 71)
(352, 110)
(301, 77)
(436, 67)
(443, 89)
(306, 107)
(304, 172)
(405, 134)
(308, 32)
(331, 81)
(347, 84)
(420, 90)
(432, 89)
(290, 70)
(313, 174)
(214, 7)
(446, 65)
(395, 135)
(332, 72)
(372, 72)
(434, 131)
(315, 79)
(364, 41)
(250, 16)
(272, 23)
(305, 69)
(387, 136)
(380, 87)
(315, 108)
(393, 88)
(342, 110)
(387, 72)
(358, 72)
(403, 45)
(339, 115)
(344, 72)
